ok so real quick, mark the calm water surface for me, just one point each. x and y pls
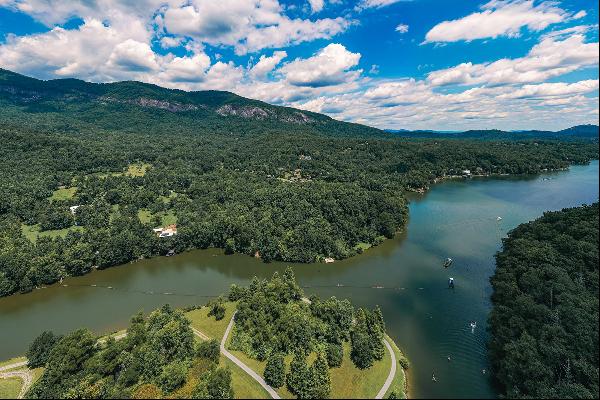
(429, 322)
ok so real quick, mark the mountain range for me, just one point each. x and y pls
(76, 105)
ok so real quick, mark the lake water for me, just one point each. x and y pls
(429, 322)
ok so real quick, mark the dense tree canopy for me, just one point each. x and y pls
(544, 321)
(274, 320)
(156, 358)
(277, 183)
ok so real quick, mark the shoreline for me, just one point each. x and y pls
(420, 191)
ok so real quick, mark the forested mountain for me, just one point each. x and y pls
(544, 321)
(234, 173)
(575, 133)
(68, 105)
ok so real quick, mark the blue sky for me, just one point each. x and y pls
(420, 64)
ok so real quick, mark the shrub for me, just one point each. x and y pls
(335, 355)
(209, 350)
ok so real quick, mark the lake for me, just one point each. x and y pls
(404, 276)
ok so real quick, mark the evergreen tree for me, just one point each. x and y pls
(321, 378)
(299, 379)
(275, 370)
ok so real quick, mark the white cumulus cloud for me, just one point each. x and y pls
(498, 18)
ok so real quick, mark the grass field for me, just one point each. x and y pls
(207, 325)
(11, 361)
(139, 169)
(347, 381)
(167, 218)
(10, 388)
(32, 232)
(64, 193)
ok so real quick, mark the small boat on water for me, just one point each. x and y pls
(498, 218)
(448, 262)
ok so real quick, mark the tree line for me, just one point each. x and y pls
(544, 320)
(157, 358)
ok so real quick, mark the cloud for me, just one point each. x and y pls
(328, 67)
(553, 90)
(498, 18)
(267, 64)
(168, 42)
(547, 59)
(132, 55)
(248, 25)
(402, 28)
(364, 4)
(87, 52)
(316, 5)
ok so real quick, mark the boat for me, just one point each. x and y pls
(499, 219)
(448, 262)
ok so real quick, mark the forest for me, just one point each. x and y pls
(275, 320)
(158, 357)
(544, 320)
(89, 170)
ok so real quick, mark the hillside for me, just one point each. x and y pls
(544, 321)
(72, 104)
(94, 173)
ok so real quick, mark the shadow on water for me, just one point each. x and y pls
(404, 276)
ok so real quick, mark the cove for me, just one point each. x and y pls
(404, 276)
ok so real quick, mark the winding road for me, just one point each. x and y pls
(392, 373)
(27, 376)
(243, 366)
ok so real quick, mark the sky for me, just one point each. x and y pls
(394, 64)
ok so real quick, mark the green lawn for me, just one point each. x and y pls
(347, 381)
(64, 193)
(32, 232)
(207, 325)
(399, 383)
(10, 388)
(167, 218)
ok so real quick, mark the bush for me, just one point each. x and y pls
(403, 361)
(147, 391)
(209, 350)
(217, 309)
(335, 355)
(172, 376)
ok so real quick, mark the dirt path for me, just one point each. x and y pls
(24, 374)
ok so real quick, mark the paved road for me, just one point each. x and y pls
(392, 373)
(24, 374)
(243, 366)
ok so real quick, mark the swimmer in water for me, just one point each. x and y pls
(448, 358)
(433, 378)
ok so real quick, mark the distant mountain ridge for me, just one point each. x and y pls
(76, 105)
(132, 105)
(590, 132)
